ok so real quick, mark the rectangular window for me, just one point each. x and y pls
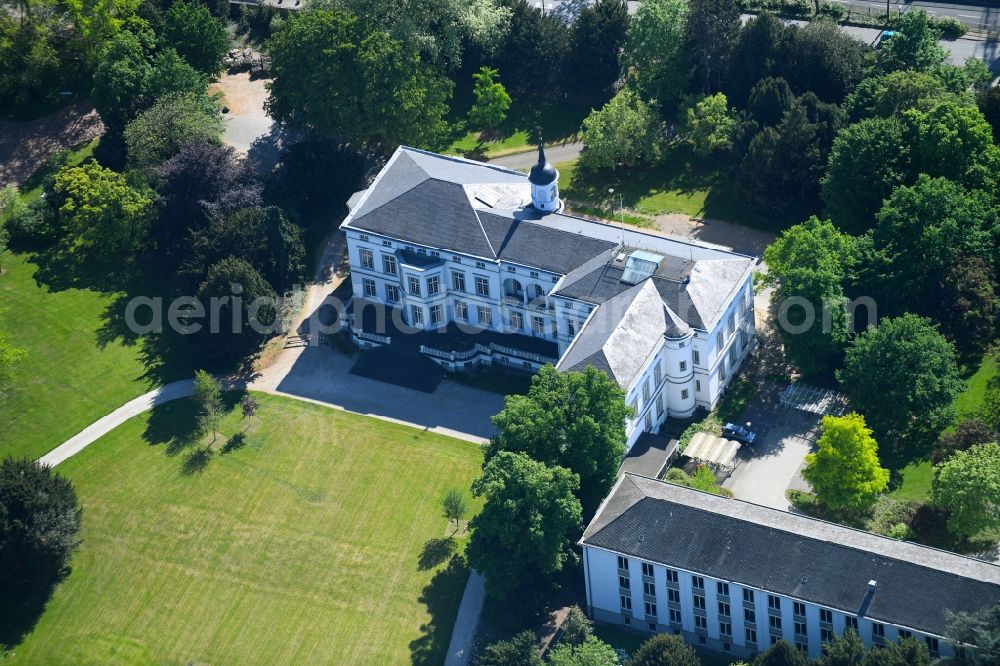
(697, 582)
(826, 615)
(645, 392)
(626, 603)
(697, 386)
(905, 633)
(413, 285)
(800, 628)
(673, 595)
(724, 608)
(369, 287)
(675, 616)
(799, 608)
(647, 569)
(699, 601)
(650, 609)
(700, 622)
(387, 243)
(774, 621)
(751, 636)
(684, 394)
(732, 355)
(480, 264)
(773, 602)
(391, 293)
(461, 311)
(748, 596)
(726, 628)
(932, 645)
(388, 264)
(517, 321)
(658, 373)
(649, 589)
(851, 622)
(684, 366)
(416, 315)
(433, 285)
(722, 372)
(659, 404)
(722, 588)
(482, 286)
(649, 421)
(671, 576)
(749, 615)
(695, 357)
(457, 259)
(732, 323)
(825, 635)
(554, 328)
(624, 582)
(458, 281)
(622, 563)
(718, 341)
(436, 314)
(367, 259)
(485, 316)
(363, 237)
(878, 629)
(571, 327)
(537, 325)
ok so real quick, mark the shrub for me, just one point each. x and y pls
(31, 223)
(890, 516)
(834, 11)
(951, 28)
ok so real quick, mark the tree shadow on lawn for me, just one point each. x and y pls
(175, 424)
(442, 596)
(435, 552)
(20, 609)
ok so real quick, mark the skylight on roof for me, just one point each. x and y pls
(488, 196)
(640, 265)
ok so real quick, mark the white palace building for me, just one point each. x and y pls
(737, 577)
(462, 251)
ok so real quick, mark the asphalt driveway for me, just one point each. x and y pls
(786, 436)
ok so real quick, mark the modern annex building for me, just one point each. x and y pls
(450, 244)
(736, 577)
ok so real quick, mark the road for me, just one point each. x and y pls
(554, 154)
(974, 16)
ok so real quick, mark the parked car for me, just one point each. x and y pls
(883, 37)
(741, 434)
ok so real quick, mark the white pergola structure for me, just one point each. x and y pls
(713, 451)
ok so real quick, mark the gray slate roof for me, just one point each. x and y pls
(445, 202)
(791, 555)
(622, 332)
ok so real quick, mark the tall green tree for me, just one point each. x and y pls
(913, 46)
(518, 651)
(888, 95)
(625, 132)
(921, 231)
(906, 652)
(968, 308)
(845, 472)
(903, 377)
(781, 653)
(825, 60)
(200, 38)
(654, 51)
(569, 419)
(811, 261)
(868, 160)
(955, 142)
(712, 27)
(846, 650)
(596, 42)
(40, 520)
(967, 485)
(757, 54)
(989, 104)
(104, 214)
(159, 132)
(523, 538)
(492, 101)
(709, 125)
(455, 507)
(208, 401)
(770, 99)
(533, 55)
(591, 652)
(247, 312)
(339, 77)
(665, 649)
(981, 629)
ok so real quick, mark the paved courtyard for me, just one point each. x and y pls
(786, 437)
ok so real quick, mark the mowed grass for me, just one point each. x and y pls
(518, 133)
(917, 477)
(69, 378)
(304, 546)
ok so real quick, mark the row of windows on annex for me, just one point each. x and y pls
(745, 612)
(731, 335)
(648, 401)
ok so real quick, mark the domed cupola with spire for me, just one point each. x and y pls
(544, 179)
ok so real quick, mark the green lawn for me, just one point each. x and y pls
(518, 134)
(307, 545)
(917, 477)
(71, 375)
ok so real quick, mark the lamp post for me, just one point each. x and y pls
(621, 210)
